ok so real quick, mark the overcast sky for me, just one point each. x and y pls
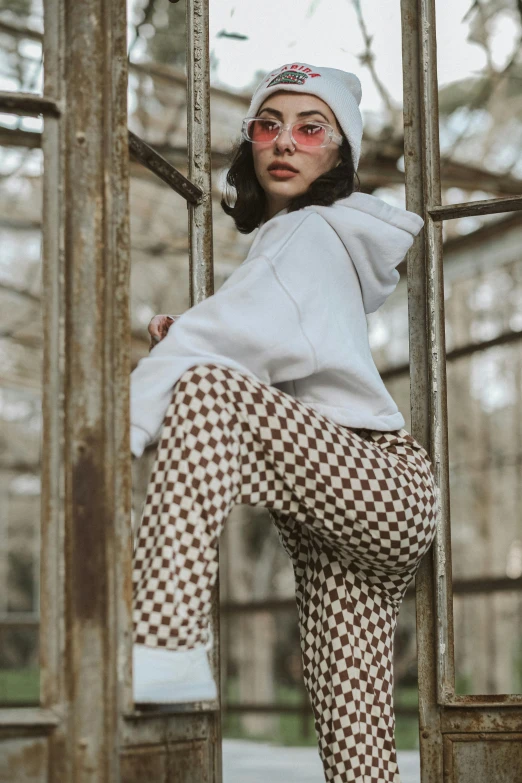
(326, 32)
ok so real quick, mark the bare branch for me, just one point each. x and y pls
(494, 79)
(368, 59)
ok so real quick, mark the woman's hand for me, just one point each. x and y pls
(158, 328)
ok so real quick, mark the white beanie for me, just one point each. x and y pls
(341, 90)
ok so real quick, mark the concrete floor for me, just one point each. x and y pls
(253, 762)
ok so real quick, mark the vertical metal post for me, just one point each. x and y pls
(437, 352)
(86, 493)
(428, 368)
(199, 152)
(200, 241)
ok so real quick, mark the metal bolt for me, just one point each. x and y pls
(80, 137)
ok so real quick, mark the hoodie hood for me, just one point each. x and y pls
(377, 237)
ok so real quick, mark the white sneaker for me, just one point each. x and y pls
(162, 676)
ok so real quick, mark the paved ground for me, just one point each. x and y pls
(253, 762)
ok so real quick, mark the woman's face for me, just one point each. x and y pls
(309, 162)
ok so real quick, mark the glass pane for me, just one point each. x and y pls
(261, 656)
(483, 278)
(159, 278)
(21, 63)
(480, 99)
(20, 422)
(406, 690)
(389, 343)
(156, 32)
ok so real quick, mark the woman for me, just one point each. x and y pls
(266, 394)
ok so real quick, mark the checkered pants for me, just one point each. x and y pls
(355, 511)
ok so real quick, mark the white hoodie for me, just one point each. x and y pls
(293, 315)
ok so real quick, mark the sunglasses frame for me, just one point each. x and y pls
(331, 135)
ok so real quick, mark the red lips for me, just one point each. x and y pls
(281, 165)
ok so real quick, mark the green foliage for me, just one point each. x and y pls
(19, 686)
(406, 732)
(463, 683)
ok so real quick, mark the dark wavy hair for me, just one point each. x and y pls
(249, 207)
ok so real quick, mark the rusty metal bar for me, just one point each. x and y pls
(423, 346)
(490, 206)
(201, 245)
(488, 719)
(445, 666)
(31, 718)
(426, 312)
(85, 605)
(28, 104)
(153, 161)
(52, 562)
(198, 145)
(484, 700)
(19, 620)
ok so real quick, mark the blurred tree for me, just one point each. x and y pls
(495, 91)
(160, 26)
(21, 8)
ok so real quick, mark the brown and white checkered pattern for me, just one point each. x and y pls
(355, 511)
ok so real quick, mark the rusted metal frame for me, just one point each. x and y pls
(484, 700)
(117, 366)
(52, 604)
(50, 715)
(30, 718)
(153, 161)
(481, 767)
(19, 620)
(445, 664)
(490, 206)
(86, 509)
(485, 718)
(198, 146)
(434, 213)
(201, 245)
(422, 343)
(28, 104)
(206, 708)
